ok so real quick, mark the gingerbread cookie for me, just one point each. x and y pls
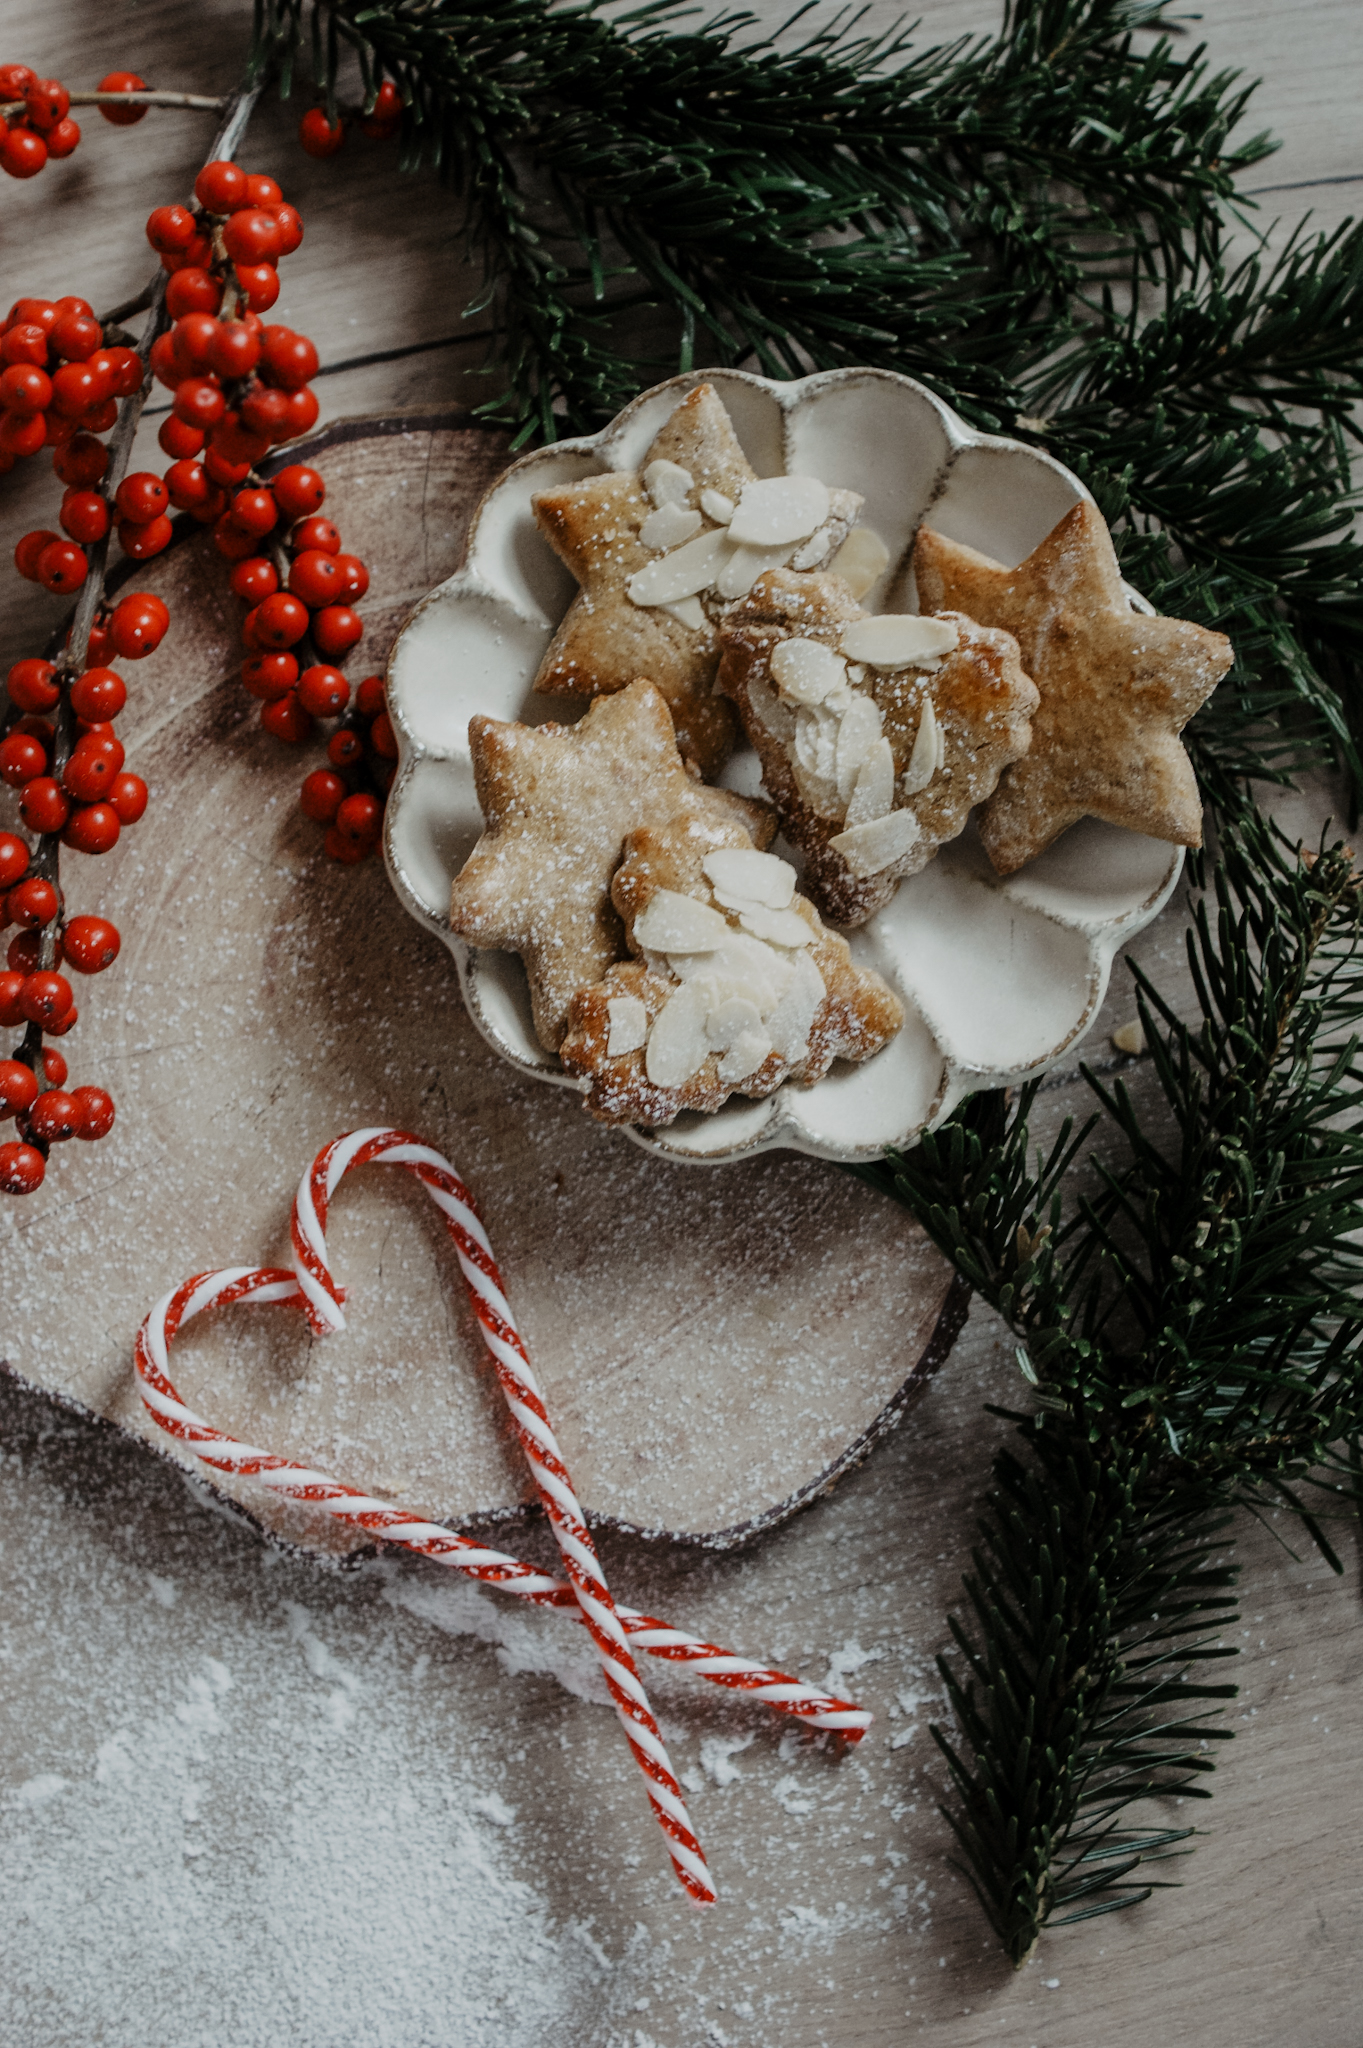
(1117, 688)
(876, 734)
(661, 555)
(558, 803)
(738, 986)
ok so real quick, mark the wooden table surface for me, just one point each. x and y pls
(246, 1800)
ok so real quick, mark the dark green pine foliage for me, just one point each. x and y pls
(1044, 228)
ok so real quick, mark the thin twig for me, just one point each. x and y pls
(191, 102)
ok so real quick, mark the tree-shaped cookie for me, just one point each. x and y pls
(738, 985)
(876, 734)
(660, 555)
(1117, 688)
(558, 803)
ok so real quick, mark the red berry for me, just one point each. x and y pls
(224, 472)
(290, 359)
(91, 944)
(97, 420)
(94, 1112)
(165, 363)
(256, 513)
(82, 461)
(98, 695)
(15, 80)
(303, 411)
(186, 485)
(138, 625)
(171, 229)
(25, 953)
(22, 152)
(63, 1024)
(11, 989)
(349, 851)
(281, 620)
(199, 402)
(179, 440)
(92, 828)
(62, 566)
(231, 542)
(198, 256)
(128, 797)
(32, 903)
(360, 817)
(299, 491)
(21, 759)
(286, 718)
(382, 738)
(321, 795)
(262, 191)
(75, 337)
(141, 496)
(123, 81)
(259, 285)
(355, 574)
(85, 516)
(54, 1117)
(25, 389)
(18, 1088)
(31, 686)
(220, 186)
(268, 676)
(90, 774)
(193, 337)
(145, 538)
(317, 534)
(290, 228)
(45, 997)
(47, 102)
(24, 343)
(345, 749)
(266, 412)
(323, 691)
(44, 806)
(212, 508)
(77, 388)
(126, 367)
(255, 579)
(236, 347)
(22, 1168)
(336, 629)
(319, 136)
(42, 312)
(13, 859)
(20, 437)
(316, 578)
(252, 236)
(193, 290)
(29, 549)
(54, 1066)
(64, 138)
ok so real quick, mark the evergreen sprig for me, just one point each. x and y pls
(1043, 228)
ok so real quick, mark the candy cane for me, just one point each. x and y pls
(586, 1593)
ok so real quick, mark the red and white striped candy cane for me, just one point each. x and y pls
(586, 1594)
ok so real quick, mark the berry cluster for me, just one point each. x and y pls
(290, 569)
(37, 116)
(321, 137)
(58, 381)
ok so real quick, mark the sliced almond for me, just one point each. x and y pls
(671, 524)
(689, 611)
(742, 566)
(777, 927)
(628, 1025)
(716, 506)
(790, 1023)
(752, 876)
(677, 1046)
(898, 639)
(861, 560)
(673, 923)
(941, 747)
(685, 572)
(766, 707)
(745, 1055)
(742, 966)
(857, 735)
(874, 791)
(805, 670)
(923, 763)
(813, 551)
(867, 849)
(774, 510)
(729, 1019)
(667, 483)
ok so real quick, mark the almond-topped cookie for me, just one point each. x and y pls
(660, 556)
(558, 802)
(877, 733)
(738, 985)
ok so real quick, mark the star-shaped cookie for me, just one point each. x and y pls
(557, 803)
(1117, 688)
(876, 734)
(738, 987)
(610, 528)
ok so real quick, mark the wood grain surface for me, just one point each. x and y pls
(124, 1598)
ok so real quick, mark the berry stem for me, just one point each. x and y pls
(193, 102)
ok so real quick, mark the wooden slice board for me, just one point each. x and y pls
(716, 1346)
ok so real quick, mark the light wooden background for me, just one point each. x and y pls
(353, 1740)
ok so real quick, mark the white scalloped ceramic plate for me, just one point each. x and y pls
(999, 978)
